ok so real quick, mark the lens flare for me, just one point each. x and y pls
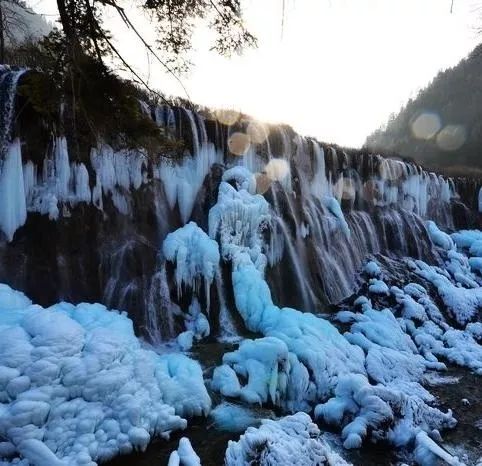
(277, 169)
(227, 117)
(239, 143)
(263, 183)
(452, 137)
(257, 132)
(426, 125)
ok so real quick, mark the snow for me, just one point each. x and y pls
(238, 219)
(317, 353)
(476, 264)
(197, 322)
(13, 213)
(197, 327)
(117, 173)
(185, 340)
(195, 255)
(226, 381)
(475, 329)
(59, 182)
(293, 440)
(76, 386)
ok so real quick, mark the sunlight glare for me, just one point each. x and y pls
(239, 143)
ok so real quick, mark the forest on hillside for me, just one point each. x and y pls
(442, 127)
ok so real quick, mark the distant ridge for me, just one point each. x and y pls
(28, 25)
(442, 127)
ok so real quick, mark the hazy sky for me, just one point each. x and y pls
(337, 72)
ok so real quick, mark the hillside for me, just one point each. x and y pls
(22, 24)
(442, 127)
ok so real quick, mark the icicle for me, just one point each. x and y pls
(13, 211)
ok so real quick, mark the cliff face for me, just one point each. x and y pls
(93, 230)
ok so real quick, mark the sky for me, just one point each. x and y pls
(335, 71)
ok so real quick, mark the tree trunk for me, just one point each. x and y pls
(66, 20)
(2, 35)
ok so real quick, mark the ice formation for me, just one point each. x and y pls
(195, 255)
(264, 363)
(184, 455)
(13, 212)
(116, 173)
(183, 181)
(61, 182)
(304, 360)
(77, 388)
(372, 269)
(293, 440)
(234, 418)
(438, 237)
(463, 302)
(243, 178)
(334, 207)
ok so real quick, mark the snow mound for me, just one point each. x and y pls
(77, 388)
(293, 440)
